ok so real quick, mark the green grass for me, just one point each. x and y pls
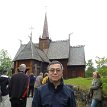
(85, 83)
(82, 83)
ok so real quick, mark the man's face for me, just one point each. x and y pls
(55, 72)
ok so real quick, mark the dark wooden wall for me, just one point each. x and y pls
(76, 71)
(36, 67)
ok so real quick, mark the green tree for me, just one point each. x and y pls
(5, 61)
(102, 69)
(89, 68)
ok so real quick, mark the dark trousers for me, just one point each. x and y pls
(31, 90)
(18, 102)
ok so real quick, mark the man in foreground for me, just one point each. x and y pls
(54, 93)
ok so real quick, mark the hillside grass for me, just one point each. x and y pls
(85, 83)
(82, 83)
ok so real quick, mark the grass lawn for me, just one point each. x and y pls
(85, 83)
(82, 83)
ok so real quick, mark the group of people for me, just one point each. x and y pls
(49, 91)
(35, 82)
(14, 88)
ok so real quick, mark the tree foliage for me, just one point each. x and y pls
(5, 61)
(89, 68)
(101, 67)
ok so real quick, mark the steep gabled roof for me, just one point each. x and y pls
(77, 56)
(30, 51)
(42, 55)
(59, 50)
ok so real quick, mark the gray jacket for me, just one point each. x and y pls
(96, 89)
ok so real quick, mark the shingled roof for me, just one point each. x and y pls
(30, 51)
(77, 55)
(59, 50)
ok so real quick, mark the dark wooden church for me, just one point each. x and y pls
(38, 55)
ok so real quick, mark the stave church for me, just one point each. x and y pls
(37, 56)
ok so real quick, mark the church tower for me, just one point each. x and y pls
(44, 41)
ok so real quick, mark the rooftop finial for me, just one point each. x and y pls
(20, 42)
(46, 9)
(70, 35)
(30, 37)
(31, 28)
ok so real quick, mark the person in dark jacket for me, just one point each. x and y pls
(4, 84)
(31, 85)
(18, 87)
(54, 93)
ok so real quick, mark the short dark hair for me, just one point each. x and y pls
(55, 62)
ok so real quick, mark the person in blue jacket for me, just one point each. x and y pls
(54, 93)
(31, 84)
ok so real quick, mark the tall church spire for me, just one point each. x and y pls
(44, 42)
(45, 28)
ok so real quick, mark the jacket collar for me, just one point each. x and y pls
(52, 87)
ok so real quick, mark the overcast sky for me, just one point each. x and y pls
(87, 19)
